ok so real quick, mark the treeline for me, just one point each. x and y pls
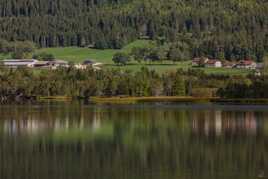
(246, 88)
(154, 52)
(18, 49)
(251, 86)
(86, 83)
(227, 29)
(22, 50)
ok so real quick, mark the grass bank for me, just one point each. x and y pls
(178, 99)
(133, 100)
(54, 98)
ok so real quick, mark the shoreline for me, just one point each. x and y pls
(179, 99)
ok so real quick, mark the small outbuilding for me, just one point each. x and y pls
(88, 62)
(59, 63)
(213, 63)
(40, 64)
(199, 62)
(15, 63)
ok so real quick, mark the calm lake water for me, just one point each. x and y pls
(152, 141)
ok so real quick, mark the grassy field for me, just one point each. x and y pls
(226, 71)
(159, 67)
(134, 100)
(3, 56)
(76, 55)
(169, 66)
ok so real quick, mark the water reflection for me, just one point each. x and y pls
(226, 122)
(202, 122)
(146, 141)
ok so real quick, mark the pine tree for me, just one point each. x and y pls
(178, 87)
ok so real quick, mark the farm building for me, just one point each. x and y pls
(213, 63)
(198, 62)
(228, 64)
(15, 63)
(88, 62)
(32, 63)
(59, 63)
(40, 64)
(246, 64)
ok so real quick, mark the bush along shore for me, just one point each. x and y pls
(115, 85)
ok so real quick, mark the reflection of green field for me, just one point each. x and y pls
(83, 135)
(3, 56)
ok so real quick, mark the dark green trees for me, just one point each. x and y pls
(44, 56)
(227, 29)
(178, 88)
(121, 58)
(18, 49)
(86, 83)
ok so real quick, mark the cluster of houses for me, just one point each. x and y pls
(215, 63)
(54, 64)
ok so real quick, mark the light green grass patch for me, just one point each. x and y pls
(4, 56)
(226, 71)
(77, 54)
(106, 131)
(159, 67)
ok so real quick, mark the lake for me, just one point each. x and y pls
(143, 141)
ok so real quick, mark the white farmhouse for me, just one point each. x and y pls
(213, 63)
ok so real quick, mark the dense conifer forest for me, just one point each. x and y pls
(230, 29)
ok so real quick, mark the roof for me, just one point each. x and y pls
(41, 63)
(88, 62)
(245, 62)
(97, 64)
(196, 60)
(260, 65)
(228, 64)
(17, 63)
(59, 62)
(212, 61)
(18, 60)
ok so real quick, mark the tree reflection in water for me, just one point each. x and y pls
(139, 141)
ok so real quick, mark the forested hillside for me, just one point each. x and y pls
(230, 29)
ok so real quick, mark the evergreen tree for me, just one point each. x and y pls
(178, 87)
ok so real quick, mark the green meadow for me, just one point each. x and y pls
(78, 54)
(4, 56)
(169, 66)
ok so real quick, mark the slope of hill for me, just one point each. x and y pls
(232, 27)
(78, 54)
